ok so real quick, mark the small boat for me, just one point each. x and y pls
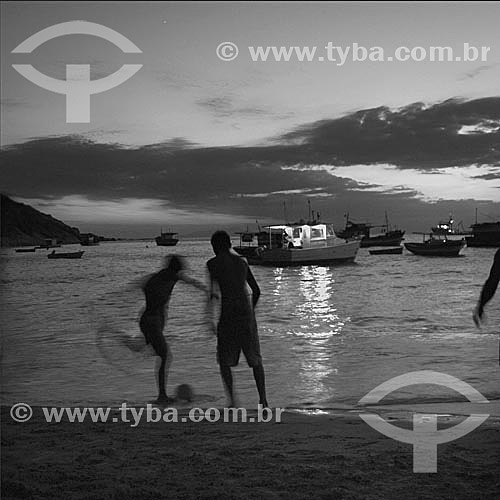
(312, 243)
(65, 255)
(166, 239)
(387, 251)
(49, 243)
(23, 250)
(371, 236)
(484, 234)
(445, 228)
(88, 240)
(382, 236)
(436, 246)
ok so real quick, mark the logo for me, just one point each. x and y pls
(77, 87)
(425, 436)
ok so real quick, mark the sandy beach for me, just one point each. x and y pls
(304, 456)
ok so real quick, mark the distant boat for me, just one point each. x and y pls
(65, 255)
(354, 230)
(371, 236)
(436, 247)
(387, 251)
(445, 228)
(302, 244)
(485, 234)
(166, 239)
(49, 243)
(23, 250)
(89, 239)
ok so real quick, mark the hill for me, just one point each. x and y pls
(23, 225)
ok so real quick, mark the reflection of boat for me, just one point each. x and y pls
(65, 255)
(302, 244)
(436, 246)
(387, 251)
(166, 239)
(22, 250)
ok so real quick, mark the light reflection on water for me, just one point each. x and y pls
(328, 334)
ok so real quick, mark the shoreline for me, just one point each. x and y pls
(304, 456)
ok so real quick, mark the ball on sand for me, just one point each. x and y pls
(184, 392)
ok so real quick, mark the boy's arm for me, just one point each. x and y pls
(254, 286)
(183, 276)
(490, 285)
(209, 310)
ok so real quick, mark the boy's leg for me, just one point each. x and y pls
(227, 378)
(260, 382)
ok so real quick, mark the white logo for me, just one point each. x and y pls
(77, 87)
(425, 437)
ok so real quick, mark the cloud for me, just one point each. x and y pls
(367, 161)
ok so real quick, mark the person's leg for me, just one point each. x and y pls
(260, 382)
(227, 378)
(163, 368)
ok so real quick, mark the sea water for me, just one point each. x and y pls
(329, 334)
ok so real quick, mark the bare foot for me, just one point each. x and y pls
(164, 399)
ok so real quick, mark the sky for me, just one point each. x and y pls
(191, 139)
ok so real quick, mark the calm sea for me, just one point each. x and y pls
(328, 334)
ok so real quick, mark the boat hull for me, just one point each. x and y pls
(382, 241)
(68, 255)
(442, 249)
(335, 254)
(387, 251)
(167, 243)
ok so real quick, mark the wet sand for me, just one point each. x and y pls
(305, 456)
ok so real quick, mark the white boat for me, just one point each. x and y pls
(303, 244)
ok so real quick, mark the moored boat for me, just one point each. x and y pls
(89, 239)
(303, 244)
(65, 255)
(446, 228)
(24, 250)
(485, 234)
(387, 251)
(436, 247)
(166, 239)
(370, 235)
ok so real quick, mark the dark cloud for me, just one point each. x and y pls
(224, 179)
(414, 137)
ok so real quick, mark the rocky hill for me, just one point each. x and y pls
(23, 225)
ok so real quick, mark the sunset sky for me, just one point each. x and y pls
(192, 139)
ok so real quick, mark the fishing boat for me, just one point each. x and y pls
(65, 255)
(23, 250)
(436, 246)
(248, 244)
(382, 236)
(166, 239)
(89, 239)
(48, 243)
(446, 228)
(370, 235)
(354, 230)
(387, 251)
(485, 234)
(302, 244)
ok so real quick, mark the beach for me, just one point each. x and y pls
(335, 456)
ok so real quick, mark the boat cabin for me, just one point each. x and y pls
(297, 236)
